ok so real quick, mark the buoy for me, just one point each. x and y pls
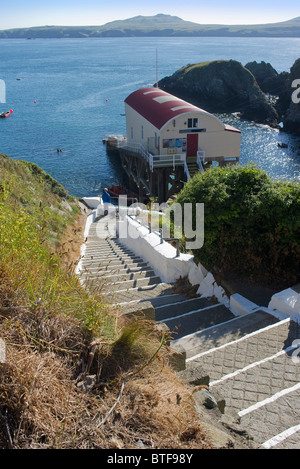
(106, 100)
(11, 111)
(34, 101)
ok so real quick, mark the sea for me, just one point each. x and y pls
(69, 94)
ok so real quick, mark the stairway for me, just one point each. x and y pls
(122, 276)
(192, 165)
(247, 359)
(249, 363)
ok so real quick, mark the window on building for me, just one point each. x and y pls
(192, 123)
(131, 133)
(142, 132)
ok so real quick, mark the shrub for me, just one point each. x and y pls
(251, 222)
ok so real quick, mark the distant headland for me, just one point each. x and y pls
(159, 25)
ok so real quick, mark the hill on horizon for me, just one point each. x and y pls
(157, 25)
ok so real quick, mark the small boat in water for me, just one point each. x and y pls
(5, 114)
(115, 191)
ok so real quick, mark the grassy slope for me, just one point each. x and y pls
(56, 333)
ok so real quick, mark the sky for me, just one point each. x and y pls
(27, 13)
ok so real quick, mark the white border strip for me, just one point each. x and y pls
(240, 339)
(280, 437)
(142, 288)
(197, 333)
(269, 400)
(183, 301)
(190, 312)
(133, 279)
(91, 276)
(253, 365)
(146, 299)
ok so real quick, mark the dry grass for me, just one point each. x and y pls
(41, 405)
(182, 285)
(136, 401)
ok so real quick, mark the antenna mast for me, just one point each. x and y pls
(156, 71)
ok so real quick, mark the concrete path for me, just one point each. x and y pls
(251, 360)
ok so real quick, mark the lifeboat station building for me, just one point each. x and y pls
(168, 140)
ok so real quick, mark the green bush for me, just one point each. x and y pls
(251, 222)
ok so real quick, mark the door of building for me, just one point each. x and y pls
(192, 144)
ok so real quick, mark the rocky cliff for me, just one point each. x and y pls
(289, 100)
(284, 88)
(222, 86)
(268, 79)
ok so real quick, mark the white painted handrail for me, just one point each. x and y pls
(186, 170)
(156, 161)
(200, 159)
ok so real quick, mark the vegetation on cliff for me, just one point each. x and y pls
(252, 223)
(59, 336)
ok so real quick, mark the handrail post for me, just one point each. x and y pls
(160, 235)
(177, 248)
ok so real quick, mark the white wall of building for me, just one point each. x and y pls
(139, 129)
(215, 140)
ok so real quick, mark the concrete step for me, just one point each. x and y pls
(274, 422)
(191, 159)
(167, 299)
(139, 293)
(115, 284)
(197, 320)
(107, 249)
(221, 334)
(115, 270)
(138, 282)
(88, 262)
(118, 276)
(108, 252)
(181, 307)
(239, 353)
(109, 259)
(249, 363)
(258, 378)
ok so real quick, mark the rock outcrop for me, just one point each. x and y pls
(285, 88)
(268, 79)
(222, 86)
(289, 100)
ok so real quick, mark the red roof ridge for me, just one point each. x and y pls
(159, 107)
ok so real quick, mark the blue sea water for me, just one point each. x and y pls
(79, 86)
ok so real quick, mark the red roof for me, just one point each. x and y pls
(158, 106)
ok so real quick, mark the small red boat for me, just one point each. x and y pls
(5, 114)
(115, 191)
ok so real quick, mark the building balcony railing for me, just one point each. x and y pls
(154, 161)
(160, 161)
